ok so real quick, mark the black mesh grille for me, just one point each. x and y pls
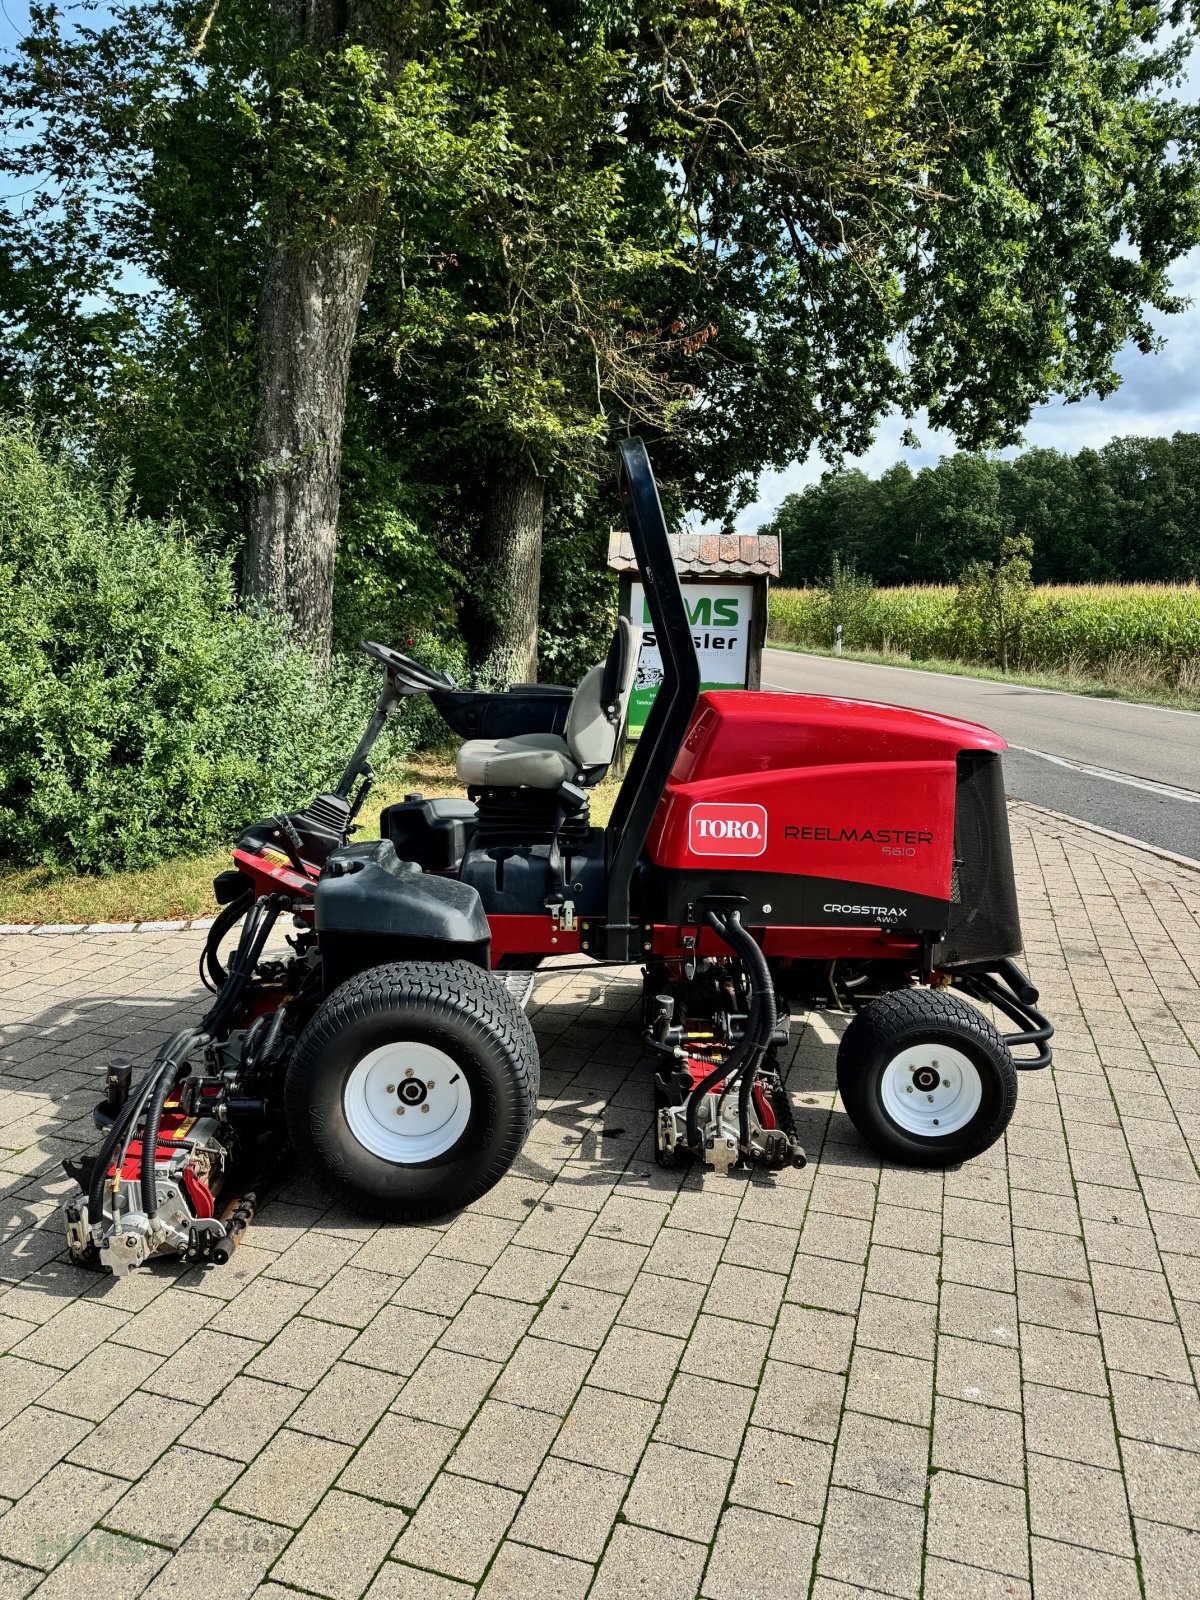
(984, 922)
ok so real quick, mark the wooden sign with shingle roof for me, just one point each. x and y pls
(724, 578)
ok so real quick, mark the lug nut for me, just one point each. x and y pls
(408, 1072)
(399, 1111)
(429, 1083)
(425, 1109)
(910, 1088)
(391, 1088)
(929, 1097)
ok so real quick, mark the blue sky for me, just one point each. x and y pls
(1159, 393)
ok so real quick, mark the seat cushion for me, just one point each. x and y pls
(540, 760)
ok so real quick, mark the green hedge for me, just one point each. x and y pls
(1091, 628)
(142, 712)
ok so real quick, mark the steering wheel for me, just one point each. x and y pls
(411, 676)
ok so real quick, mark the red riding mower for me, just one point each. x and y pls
(764, 851)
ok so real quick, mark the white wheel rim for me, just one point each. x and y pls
(931, 1089)
(407, 1102)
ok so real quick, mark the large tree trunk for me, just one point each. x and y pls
(308, 316)
(307, 319)
(510, 574)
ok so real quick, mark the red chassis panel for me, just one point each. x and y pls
(835, 817)
(811, 785)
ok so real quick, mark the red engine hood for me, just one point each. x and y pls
(816, 785)
(742, 731)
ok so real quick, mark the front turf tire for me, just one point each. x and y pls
(925, 1078)
(449, 1035)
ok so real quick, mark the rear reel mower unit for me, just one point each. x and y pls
(765, 852)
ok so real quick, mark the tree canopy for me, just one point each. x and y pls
(1129, 512)
(745, 229)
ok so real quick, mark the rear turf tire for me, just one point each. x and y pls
(387, 1033)
(925, 1078)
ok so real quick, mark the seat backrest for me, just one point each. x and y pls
(596, 719)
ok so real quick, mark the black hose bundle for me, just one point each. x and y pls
(744, 1060)
(117, 1139)
(172, 1063)
(212, 973)
(762, 991)
(255, 933)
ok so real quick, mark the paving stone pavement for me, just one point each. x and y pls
(612, 1381)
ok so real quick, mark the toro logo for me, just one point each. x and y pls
(727, 830)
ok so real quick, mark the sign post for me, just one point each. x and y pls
(724, 580)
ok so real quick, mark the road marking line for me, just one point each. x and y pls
(1002, 684)
(1167, 790)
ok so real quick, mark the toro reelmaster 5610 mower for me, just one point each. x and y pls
(764, 850)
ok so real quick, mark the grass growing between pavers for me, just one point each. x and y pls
(852, 1376)
(181, 889)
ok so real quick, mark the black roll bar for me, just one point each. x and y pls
(674, 703)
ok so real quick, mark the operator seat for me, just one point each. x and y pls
(583, 751)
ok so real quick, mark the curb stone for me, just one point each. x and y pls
(197, 924)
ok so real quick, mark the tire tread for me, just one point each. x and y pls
(466, 992)
(879, 1026)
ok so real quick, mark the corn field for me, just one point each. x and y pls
(1126, 634)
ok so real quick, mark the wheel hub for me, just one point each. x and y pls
(407, 1102)
(931, 1089)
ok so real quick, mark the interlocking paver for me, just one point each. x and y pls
(243, 1418)
(458, 1526)
(447, 1388)
(339, 1547)
(1077, 1427)
(588, 1375)
(758, 1554)
(570, 1508)
(871, 1542)
(45, 1523)
(640, 1564)
(519, 1572)
(978, 1523)
(1067, 1572)
(287, 1478)
(678, 1491)
(606, 1429)
(505, 1444)
(178, 1491)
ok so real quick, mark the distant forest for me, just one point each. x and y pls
(1129, 512)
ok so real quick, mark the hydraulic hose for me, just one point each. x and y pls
(760, 1025)
(155, 1087)
(257, 929)
(762, 990)
(211, 970)
(738, 1057)
(167, 1079)
(125, 1120)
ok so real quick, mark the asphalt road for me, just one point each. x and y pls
(1132, 768)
